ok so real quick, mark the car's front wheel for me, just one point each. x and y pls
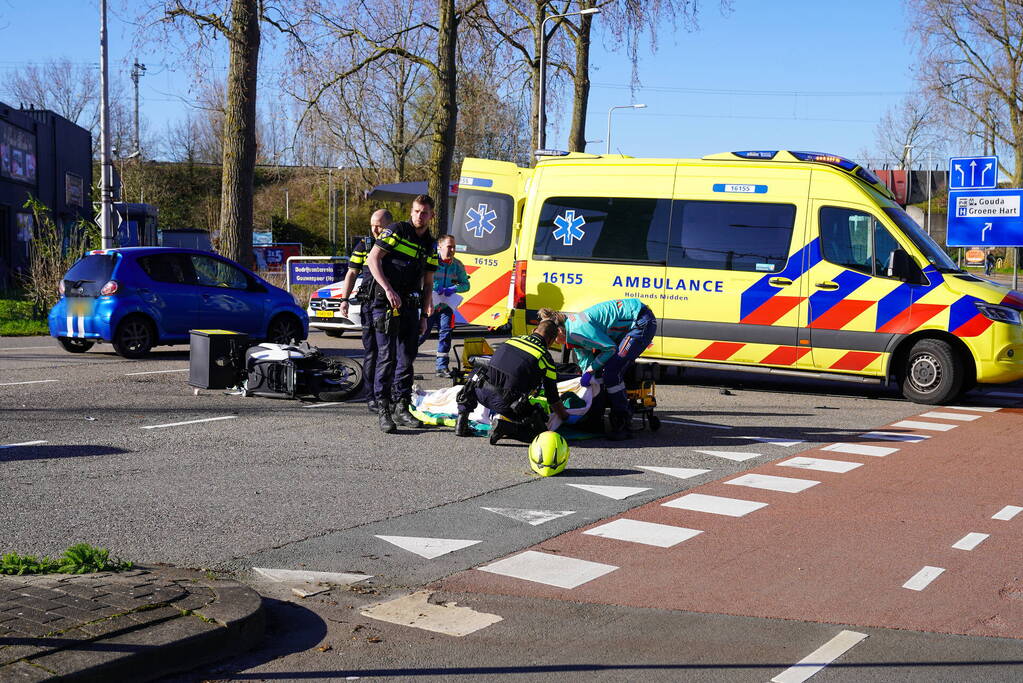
(72, 345)
(284, 329)
(134, 337)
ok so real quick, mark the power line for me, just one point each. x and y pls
(763, 93)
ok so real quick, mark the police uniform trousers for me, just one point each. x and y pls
(523, 424)
(635, 342)
(369, 346)
(395, 351)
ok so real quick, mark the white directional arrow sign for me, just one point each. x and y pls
(973, 173)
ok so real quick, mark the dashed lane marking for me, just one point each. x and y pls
(680, 472)
(772, 483)
(773, 440)
(417, 611)
(695, 424)
(23, 443)
(35, 381)
(1007, 512)
(553, 570)
(1006, 394)
(983, 409)
(154, 372)
(532, 517)
(937, 415)
(922, 578)
(970, 541)
(931, 426)
(428, 547)
(895, 436)
(190, 422)
(616, 492)
(28, 348)
(322, 405)
(861, 449)
(820, 658)
(647, 533)
(715, 505)
(821, 464)
(730, 455)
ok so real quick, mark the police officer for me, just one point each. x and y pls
(377, 222)
(402, 261)
(607, 338)
(518, 367)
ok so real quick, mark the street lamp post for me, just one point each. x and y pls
(106, 228)
(907, 151)
(541, 113)
(620, 106)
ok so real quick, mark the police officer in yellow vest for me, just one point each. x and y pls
(402, 261)
(518, 367)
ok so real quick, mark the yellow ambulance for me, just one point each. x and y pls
(764, 260)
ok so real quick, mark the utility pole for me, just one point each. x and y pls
(136, 71)
(106, 228)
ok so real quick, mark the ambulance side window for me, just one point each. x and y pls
(603, 229)
(482, 222)
(746, 236)
(855, 240)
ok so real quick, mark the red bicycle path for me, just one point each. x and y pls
(838, 552)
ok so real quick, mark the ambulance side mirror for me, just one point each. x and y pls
(901, 266)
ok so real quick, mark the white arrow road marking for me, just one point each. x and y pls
(553, 570)
(647, 533)
(616, 492)
(820, 658)
(417, 611)
(428, 547)
(680, 472)
(533, 517)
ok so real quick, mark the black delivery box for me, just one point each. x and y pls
(215, 358)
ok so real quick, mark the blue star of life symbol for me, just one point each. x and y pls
(481, 220)
(569, 228)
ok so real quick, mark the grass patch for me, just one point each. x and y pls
(80, 558)
(17, 320)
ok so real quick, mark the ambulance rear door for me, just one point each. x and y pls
(484, 226)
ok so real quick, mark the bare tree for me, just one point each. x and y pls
(908, 131)
(972, 61)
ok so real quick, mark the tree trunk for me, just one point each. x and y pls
(581, 84)
(535, 121)
(443, 148)
(239, 160)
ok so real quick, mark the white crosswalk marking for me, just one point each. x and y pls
(895, 436)
(970, 541)
(553, 570)
(772, 483)
(1007, 512)
(938, 415)
(923, 578)
(931, 426)
(820, 658)
(861, 449)
(647, 533)
(821, 464)
(715, 505)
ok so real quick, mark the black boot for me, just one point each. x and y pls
(403, 416)
(619, 425)
(373, 405)
(462, 427)
(384, 419)
(497, 429)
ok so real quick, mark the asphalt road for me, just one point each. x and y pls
(293, 485)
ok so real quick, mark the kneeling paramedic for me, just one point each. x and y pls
(607, 338)
(402, 262)
(518, 367)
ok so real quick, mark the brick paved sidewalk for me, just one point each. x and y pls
(135, 625)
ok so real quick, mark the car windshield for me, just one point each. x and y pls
(89, 274)
(934, 254)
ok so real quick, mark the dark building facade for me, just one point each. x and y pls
(46, 156)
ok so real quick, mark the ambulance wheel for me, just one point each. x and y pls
(284, 329)
(933, 372)
(134, 338)
(655, 422)
(75, 345)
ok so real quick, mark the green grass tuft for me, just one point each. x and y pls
(80, 558)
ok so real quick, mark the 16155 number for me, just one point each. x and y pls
(563, 278)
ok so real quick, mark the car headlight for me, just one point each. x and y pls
(1000, 314)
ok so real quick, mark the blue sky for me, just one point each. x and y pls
(789, 74)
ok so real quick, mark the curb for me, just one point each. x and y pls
(152, 643)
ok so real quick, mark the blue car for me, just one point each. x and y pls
(140, 297)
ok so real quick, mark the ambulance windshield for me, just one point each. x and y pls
(935, 255)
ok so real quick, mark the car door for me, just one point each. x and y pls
(854, 307)
(171, 296)
(227, 299)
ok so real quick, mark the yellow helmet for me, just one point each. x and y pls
(548, 454)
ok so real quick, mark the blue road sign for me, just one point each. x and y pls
(973, 173)
(985, 218)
